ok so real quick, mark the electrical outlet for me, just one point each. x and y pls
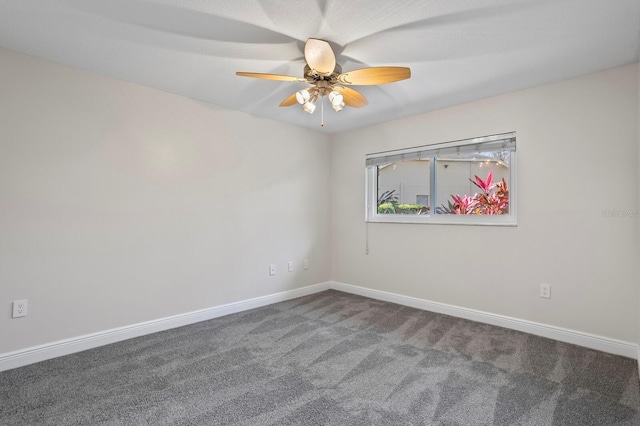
(545, 291)
(272, 269)
(19, 308)
(306, 264)
(290, 266)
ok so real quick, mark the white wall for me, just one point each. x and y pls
(121, 204)
(577, 155)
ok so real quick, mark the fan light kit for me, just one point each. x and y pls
(327, 79)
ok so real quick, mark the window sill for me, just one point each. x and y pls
(445, 220)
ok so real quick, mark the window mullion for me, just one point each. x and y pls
(433, 186)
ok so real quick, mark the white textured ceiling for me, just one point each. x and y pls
(458, 50)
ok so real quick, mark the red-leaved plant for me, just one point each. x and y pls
(494, 198)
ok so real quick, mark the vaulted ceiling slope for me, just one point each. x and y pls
(458, 50)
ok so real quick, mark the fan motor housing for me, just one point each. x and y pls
(313, 76)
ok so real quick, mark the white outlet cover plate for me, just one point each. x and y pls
(19, 308)
(545, 291)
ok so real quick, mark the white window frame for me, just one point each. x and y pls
(432, 151)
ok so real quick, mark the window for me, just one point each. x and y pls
(470, 182)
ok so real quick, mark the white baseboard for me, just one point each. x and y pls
(89, 341)
(604, 344)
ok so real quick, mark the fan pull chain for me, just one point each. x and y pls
(322, 111)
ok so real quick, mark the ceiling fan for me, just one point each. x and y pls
(327, 79)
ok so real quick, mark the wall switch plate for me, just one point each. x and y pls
(306, 264)
(272, 269)
(545, 291)
(19, 308)
(290, 266)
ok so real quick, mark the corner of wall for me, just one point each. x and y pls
(638, 206)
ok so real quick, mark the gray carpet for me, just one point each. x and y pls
(327, 359)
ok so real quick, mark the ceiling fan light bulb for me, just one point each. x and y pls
(335, 98)
(302, 96)
(337, 107)
(309, 107)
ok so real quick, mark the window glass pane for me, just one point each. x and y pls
(475, 183)
(404, 187)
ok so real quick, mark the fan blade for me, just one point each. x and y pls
(270, 76)
(319, 56)
(353, 98)
(375, 75)
(291, 100)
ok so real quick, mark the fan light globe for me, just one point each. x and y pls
(302, 96)
(310, 105)
(336, 99)
(337, 107)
